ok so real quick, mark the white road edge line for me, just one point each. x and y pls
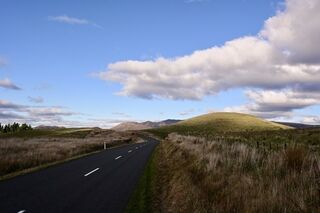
(129, 151)
(89, 173)
(118, 157)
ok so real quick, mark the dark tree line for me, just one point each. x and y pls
(15, 127)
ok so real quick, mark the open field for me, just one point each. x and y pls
(199, 175)
(59, 132)
(269, 140)
(26, 150)
(207, 164)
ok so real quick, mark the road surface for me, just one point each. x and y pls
(101, 182)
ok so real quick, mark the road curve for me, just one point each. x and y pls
(101, 182)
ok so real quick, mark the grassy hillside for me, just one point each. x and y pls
(221, 122)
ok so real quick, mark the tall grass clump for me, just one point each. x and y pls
(200, 175)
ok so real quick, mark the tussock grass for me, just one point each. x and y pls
(200, 175)
(22, 153)
(17, 154)
(62, 132)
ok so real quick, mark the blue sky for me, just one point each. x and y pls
(57, 57)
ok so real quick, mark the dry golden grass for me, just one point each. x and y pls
(18, 154)
(209, 176)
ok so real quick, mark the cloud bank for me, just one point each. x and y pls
(280, 66)
(50, 116)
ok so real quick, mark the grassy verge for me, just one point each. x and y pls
(143, 197)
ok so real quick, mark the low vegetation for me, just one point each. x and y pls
(142, 200)
(15, 127)
(21, 152)
(59, 132)
(213, 163)
(197, 175)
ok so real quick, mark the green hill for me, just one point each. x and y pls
(221, 122)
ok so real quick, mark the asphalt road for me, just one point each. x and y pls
(101, 182)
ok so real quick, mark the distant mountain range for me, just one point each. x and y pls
(150, 124)
(143, 125)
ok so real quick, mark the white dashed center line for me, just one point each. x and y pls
(118, 157)
(129, 151)
(89, 173)
(21, 211)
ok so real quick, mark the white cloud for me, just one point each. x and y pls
(278, 64)
(296, 30)
(280, 100)
(313, 120)
(7, 84)
(49, 112)
(276, 104)
(11, 112)
(68, 20)
(72, 20)
(253, 109)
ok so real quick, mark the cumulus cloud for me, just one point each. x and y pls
(280, 100)
(296, 30)
(36, 99)
(72, 20)
(276, 104)
(281, 62)
(7, 84)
